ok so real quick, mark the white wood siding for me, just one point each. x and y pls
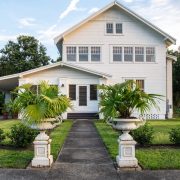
(135, 33)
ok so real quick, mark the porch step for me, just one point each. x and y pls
(83, 116)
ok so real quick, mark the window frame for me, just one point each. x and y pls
(150, 54)
(100, 54)
(75, 54)
(75, 98)
(90, 97)
(128, 54)
(122, 49)
(82, 53)
(114, 28)
(139, 54)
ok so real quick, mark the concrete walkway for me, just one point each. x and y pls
(84, 157)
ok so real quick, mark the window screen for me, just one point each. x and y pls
(109, 28)
(119, 28)
(93, 92)
(117, 54)
(71, 53)
(150, 54)
(83, 53)
(139, 54)
(95, 53)
(72, 92)
(128, 54)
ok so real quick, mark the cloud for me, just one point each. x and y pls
(5, 37)
(26, 22)
(128, 1)
(93, 10)
(71, 7)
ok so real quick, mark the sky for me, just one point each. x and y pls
(46, 19)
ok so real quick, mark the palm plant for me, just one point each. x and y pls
(35, 107)
(121, 100)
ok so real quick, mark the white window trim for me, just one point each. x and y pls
(132, 62)
(136, 78)
(77, 53)
(114, 29)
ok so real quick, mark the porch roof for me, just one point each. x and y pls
(9, 82)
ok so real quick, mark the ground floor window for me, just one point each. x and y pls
(93, 92)
(72, 92)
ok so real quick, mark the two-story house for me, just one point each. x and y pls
(111, 46)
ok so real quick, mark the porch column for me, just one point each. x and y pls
(63, 89)
(101, 82)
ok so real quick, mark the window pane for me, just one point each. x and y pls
(119, 28)
(150, 54)
(83, 53)
(117, 53)
(95, 53)
(72, 92)
(128, 54)
(140, 84)
(109, 28)
(71, 53)
(139, 54)
(93, 92)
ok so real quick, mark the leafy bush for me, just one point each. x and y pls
(143, 135)
(2, 135)
(21, 135)
(174, 136)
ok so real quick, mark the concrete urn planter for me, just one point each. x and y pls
(126, 157)
(42, 146)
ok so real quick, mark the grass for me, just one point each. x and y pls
(162, 128)
(149, 158)
(10, 157)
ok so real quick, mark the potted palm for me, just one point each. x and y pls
(118, 103)
(38, 110)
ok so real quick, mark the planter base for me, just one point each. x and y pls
(42, 154)
(42, 161)
(126, 157)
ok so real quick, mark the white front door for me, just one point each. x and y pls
(82, 103)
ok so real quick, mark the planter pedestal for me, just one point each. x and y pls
(42, 156)
(126, 157)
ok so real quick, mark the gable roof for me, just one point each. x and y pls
(115, 3)
(87, 70)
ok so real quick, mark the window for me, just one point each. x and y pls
(150, 54)
(93, 92)
(139, 54)
(34, 88)
(119, 28)
(71, 53)
(109, 28)
(140, 84)
(72, 92)
(95, 53)
(83, 53)
(117, 54)
(128, 54)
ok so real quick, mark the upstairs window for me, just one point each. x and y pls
(140, 84)
(150, 54)
(93, 92)
(83, 53)
(139, 54)
(95, 53)
(71, 53)
(117, 54)
(109, 28)
(128, 54)
(119, 28)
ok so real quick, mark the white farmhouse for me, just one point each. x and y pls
(111, 46)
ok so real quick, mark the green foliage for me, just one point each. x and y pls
(25, 54)
(176, 78)
(174, 135)
(143, 135)
(21, 135)
(36, 107)
(2, 135)
(121, 100)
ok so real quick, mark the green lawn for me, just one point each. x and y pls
(9, 158)
(149, 158)
(162, 127)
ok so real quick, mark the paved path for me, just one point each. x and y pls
(84, 157)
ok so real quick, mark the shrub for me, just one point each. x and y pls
(2, 135)
(174, 136)
(143, 135)
(21, 135)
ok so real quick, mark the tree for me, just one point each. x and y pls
(25, 54)
(176, 78)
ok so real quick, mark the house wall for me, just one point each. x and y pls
(135, 34)
(64, 75)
